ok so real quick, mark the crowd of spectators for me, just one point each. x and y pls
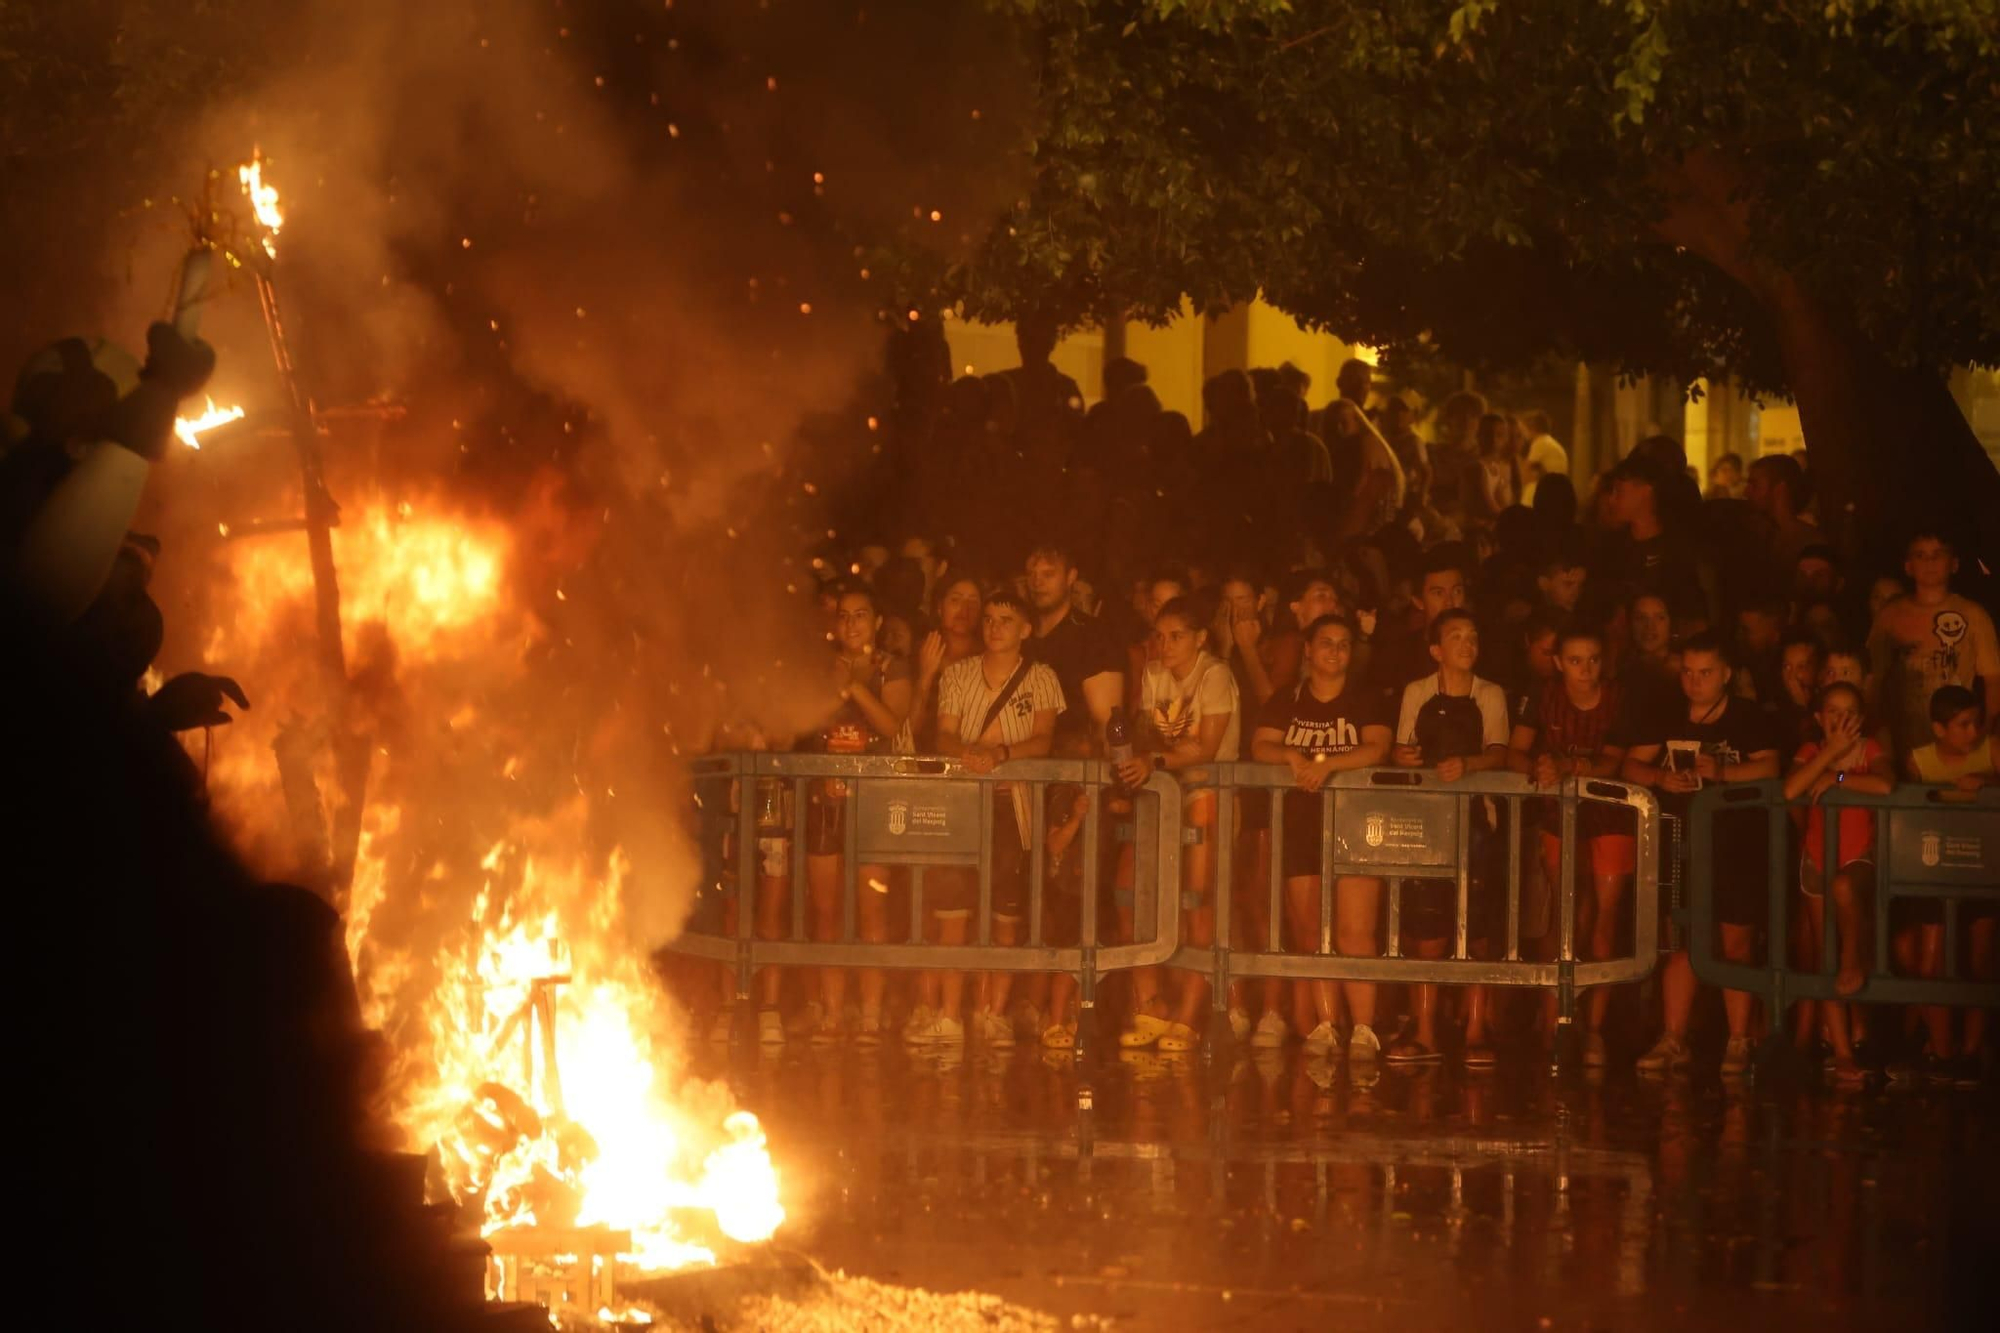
(1370, 585)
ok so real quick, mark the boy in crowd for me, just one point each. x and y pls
(1712, 737)
(1798, 685)
(995, 707)
(1441, 587)
(1571, 728)
(1961, 754)
(1929, 638)
(1456, 723)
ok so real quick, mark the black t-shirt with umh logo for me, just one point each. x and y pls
(1318, 727)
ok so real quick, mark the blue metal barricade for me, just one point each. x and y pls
(922, 815)
(1403, 825)
(1931, 846)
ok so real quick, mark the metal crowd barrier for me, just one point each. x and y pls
(923, 814)
(1931, 844)
(1403, 824)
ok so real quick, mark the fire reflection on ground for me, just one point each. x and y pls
(1275, 1193)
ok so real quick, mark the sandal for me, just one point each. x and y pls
(1177, 1038)
(1145, 1030)
(1411, 1053)
(1059, 1036)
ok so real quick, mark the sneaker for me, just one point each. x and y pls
(1593, 1051)
(1363, 1045)
(1271, 1030)
(1967, 1071)
(722, 1027)
(868, 1028)
(919, 1019)
(1322, 1039)
(1239, 1023)
(1028, 1021)
(828, 1033)
(993, 1029)
(1669, 1052)
(940, 1031)
(1736, 1056)
(770, 1028)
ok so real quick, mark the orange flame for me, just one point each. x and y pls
(541, 964)
(263, 201)
(191, 429)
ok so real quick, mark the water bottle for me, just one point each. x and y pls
(1118, 738)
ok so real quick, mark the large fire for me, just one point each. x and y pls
(530, 1043)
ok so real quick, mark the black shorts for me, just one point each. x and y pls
(1430, 906)
(1303, 826)
(958, 890)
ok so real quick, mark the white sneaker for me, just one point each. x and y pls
(1271, 1030)
(1736, 1056)
(868, 1028)
(940, 1031)
(722, 1027)
(993, 1029)
(1322, 1039)
(919, 1019)
(1669, 1052)
(1363, 1044)
(770, 1028)
(1239, 1023)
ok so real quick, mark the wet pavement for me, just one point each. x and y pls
(1270, 1191)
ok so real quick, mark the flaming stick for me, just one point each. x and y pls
(350, 751)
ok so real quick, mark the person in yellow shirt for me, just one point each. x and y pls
(1960, 752)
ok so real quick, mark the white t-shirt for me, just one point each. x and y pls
(1490, 699)
(964, 694)
(1175, 708)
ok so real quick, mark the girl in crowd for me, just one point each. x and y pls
(1188, 713)
(1327, 723)
(1851, 760)
(872, 700)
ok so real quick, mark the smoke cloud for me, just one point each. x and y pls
(609, 264)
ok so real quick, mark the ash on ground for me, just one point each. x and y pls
(798, 1296)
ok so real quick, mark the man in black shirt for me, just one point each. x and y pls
(1401, 658)
(1715, 738)
(1089, 666)
(1652, 558)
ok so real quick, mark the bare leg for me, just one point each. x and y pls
(1677, 992)
(1609, 893)
(994, 987)
(823, 883)
(1302, 911)
(1853, 973)
(1357, 904)
(871, 923)
(951, 983)
(1737, 945)
(1930, 963)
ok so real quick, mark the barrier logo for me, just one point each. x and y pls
(1374, 830)
(899, 817)
(1931, 847)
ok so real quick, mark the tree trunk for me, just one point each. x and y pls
(1889, 448)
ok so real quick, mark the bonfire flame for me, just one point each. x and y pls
(263, 201)
(531, 1047)
(191, 429)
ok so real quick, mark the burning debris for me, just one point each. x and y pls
(498, 947)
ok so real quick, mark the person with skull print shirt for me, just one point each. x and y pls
(1712, 736)
(1927, 639)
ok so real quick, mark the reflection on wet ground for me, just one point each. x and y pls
(1275, 1192)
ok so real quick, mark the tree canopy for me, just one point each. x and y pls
(1512, 178)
